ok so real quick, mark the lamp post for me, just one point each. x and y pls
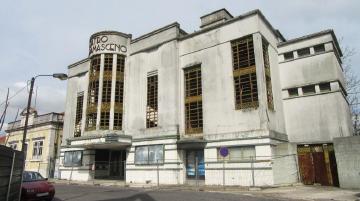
(60, 76)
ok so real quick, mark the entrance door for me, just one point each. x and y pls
(117, 164)
(195, 165)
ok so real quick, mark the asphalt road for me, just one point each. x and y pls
(66, 192)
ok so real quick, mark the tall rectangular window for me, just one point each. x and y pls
(37, 149)
(78, 115)
(106, 93)
(93, 93)
(108, 62)
(269, 94)
(193, 100)
(152, 102)
(244, 70)
(119, 92)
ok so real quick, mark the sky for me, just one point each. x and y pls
(44, 37)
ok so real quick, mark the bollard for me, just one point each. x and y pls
(224, 173)
(157, 172)
(72, 167)
(10, 178)
(196, 174)
(252, 171)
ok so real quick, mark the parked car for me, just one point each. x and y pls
(36, 187)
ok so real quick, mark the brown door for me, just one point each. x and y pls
(320, 168)
(306, 168)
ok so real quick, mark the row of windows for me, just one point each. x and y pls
(304, 52)
(37, 148)
(93, 94)
(309, 89)
(245, 88)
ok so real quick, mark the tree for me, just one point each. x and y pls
(352, 86)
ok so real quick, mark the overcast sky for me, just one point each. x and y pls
(44, 37)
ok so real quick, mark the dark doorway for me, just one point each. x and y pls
(110, 164)
(317, 164)
(195, 164)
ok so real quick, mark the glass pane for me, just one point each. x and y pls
(156, 154)
(141, 155)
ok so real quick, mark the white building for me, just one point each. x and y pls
(169, 100)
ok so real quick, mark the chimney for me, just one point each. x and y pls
(215, 18)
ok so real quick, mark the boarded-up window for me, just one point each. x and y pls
(152, 102)
(269, 94)
(78, 115)
(193, 100)
(244, 70)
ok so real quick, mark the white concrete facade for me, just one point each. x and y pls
(167, 52)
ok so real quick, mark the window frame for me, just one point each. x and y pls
(327, 87)
(148, 162)
(293, 90)
(312, 86)
(37, 149)
(236, 159)
(286, 54)
(152, 99)
(72, 163)
(303, 52)
(321, 50)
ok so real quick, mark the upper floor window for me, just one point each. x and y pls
(303, 52)
(289, 55)
(244, 71)
(108, 62)
(325, 87)
(95, 65)
(293, 92)
(78, 114)
(319, 48)
(193, 100)
(120, 63)
(106, 93)
(307, 90)
(37, 149)
(104, 120)
(152, 102)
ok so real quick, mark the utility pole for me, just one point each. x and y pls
(27, 113)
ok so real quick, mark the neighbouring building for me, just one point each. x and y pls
(43, 140)
(169, 101)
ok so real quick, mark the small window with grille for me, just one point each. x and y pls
(307, 90)
(303, 52)
(288, 56)
(319, 48)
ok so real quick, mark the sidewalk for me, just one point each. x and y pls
(296, 192)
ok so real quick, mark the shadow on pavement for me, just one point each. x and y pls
(137, 197)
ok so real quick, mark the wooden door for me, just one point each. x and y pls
(306, 168)
(320, 168)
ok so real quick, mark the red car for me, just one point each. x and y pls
(36, 187)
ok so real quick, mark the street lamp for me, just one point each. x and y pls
(60, 76)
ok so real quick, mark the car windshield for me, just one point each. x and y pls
(32, 176)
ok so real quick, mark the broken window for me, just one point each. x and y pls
(193, 100)
(119, 92)
(303, 52)
(120, 64)
(104, 120)
(152, 102)
(244, 70)
(265, 47)
(93, 93)
(78, 115)
(91, 121)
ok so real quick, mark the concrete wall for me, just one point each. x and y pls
(347, 151)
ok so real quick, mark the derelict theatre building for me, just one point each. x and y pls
(233, 103)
